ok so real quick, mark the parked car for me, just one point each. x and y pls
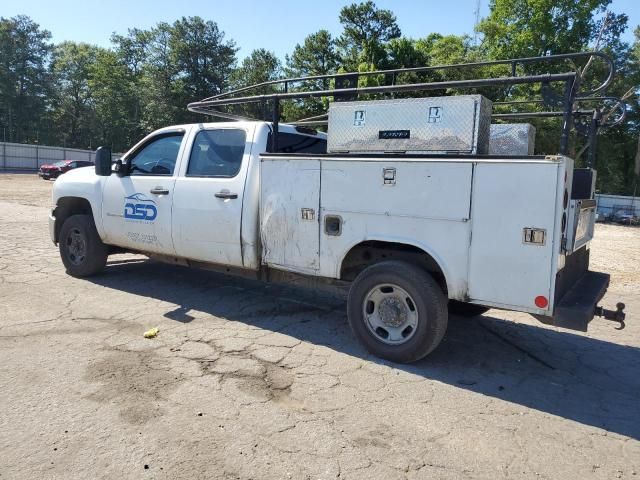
(56, 169)
(624, 216)
(625, 219)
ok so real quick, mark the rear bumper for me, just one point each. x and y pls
(577, 306)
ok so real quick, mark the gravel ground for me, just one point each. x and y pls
(247, 380)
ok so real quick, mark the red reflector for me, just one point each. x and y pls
(541, 301)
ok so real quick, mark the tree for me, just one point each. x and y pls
(520, 28)
(24, 81)
(316, 56)
(158, 95)
(202, 57)
(132, 48)
(115, 94)
(366, 28)
(260, 66)
(617, 146)
(403, 53)
(526, 28)
(72, 108)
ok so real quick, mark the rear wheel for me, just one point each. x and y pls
(398, 311)
(81, 249)
(466, 309)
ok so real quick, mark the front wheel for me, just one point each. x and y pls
(398, 311)
(81, 249)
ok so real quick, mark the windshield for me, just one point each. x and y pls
(60, 164)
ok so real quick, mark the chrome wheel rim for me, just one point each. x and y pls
(390, 313)
(76, 246)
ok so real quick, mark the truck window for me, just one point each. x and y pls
(217, 153)
(294, 143)
(158, 157)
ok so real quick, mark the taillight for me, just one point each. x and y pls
(541, 301)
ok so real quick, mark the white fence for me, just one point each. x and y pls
(18, 156)
(612, 204)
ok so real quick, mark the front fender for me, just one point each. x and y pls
(82, 183)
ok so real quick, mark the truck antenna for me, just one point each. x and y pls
(475, 26)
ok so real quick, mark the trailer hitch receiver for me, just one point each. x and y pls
(616, 315)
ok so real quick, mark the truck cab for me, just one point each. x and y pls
(186, 191)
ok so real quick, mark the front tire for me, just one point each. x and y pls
(398, 311)
(82, 252)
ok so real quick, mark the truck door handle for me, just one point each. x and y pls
(226, 194)
(159, 191)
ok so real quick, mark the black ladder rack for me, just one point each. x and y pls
(587, 121)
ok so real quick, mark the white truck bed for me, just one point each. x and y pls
(469, 214)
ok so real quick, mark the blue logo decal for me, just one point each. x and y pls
(139, 207)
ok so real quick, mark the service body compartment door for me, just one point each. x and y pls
(421, 203)
(289, 205)
(514, 212)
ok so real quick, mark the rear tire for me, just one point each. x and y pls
(82, 252)
(463, 309)
(397, 311)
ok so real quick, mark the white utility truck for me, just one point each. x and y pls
(400, 201)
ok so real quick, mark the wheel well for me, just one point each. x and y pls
(367, 253)
(68, 206)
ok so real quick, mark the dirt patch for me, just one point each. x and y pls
(137, 382)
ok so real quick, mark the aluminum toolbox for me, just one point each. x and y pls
(458, 124)
(512, 139)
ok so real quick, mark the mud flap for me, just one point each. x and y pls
(578, 306)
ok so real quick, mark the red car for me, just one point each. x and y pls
(56, 169)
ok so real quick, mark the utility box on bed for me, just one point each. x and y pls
(512, 139)
(456, 125)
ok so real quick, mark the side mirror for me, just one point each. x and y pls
(119, 167)
(103, 161)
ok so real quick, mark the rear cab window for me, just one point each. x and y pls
(217, 153)
(298, 143)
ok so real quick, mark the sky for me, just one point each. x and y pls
(276, 25)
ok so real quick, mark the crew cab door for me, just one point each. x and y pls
(207, 203)
(137, 206)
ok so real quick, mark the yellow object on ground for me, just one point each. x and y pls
(151, 333)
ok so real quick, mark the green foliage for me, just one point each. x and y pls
(203, 59)
(316, 56)
(529, 28)
(366, 29)
(24, 78)
(117, 106)
(259, 67)
(81, 95)
(72, 104)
